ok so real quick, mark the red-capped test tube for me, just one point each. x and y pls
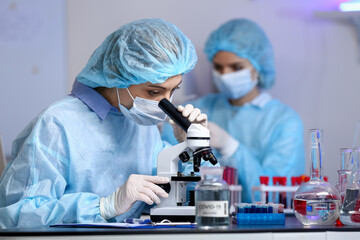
(298, 180)
(282, 195)
(265, 180)
(295, 181)
(275, 194)
(230, 175)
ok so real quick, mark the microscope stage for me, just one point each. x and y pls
(174, 214)
(186, 178)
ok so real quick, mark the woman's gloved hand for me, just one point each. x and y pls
(194, 115)
(136, 188)
(222, 141)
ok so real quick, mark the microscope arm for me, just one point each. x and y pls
(167, 161)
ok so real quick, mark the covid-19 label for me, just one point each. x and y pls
(212, 208)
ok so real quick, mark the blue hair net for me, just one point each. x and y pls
(247, 40)
(148, 50)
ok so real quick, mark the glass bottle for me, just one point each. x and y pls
(212, 198)
(316, 202)
(350, 210)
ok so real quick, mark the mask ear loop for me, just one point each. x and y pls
(118, 97)
(130, 94)
(117, 94)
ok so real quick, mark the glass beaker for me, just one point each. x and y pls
(346, 166)
(350, 210)
(346, 155)
(212, 199)
(343, 182)
(316, 202)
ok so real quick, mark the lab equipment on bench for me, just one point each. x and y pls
(212, 198)
(274, 193)
(130, 224)
(259, 214)
(350, 210)
(317, 202)
(230, 175)
(198, 143)
(346, 168)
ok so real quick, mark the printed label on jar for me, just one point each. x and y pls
(212, 208)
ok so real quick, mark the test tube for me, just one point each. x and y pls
(253, 208)
(241, 208)
(264, 208)
(270, 209)
(281, 208)
(295, 181)
(247, 208)
(230, 175)
(265, 180)
(282, 195)
(298, 180)
(275, 194)
(275, 208)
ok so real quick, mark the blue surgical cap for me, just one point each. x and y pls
(148, 50)
(247, 40)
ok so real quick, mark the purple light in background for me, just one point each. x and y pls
(331, 5)
(350, 6)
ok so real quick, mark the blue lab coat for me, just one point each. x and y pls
(76, 151)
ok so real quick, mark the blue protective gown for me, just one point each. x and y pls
(69, 157)
(270, 136)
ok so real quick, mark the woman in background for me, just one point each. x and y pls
(250, 130)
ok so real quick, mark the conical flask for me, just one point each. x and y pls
(316, 202)
(350, 209)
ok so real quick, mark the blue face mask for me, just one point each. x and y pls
(143, 111)
(236, 84)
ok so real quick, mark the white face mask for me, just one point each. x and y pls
(143, 111)
(236, 84)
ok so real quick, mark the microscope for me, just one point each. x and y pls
(197, 142)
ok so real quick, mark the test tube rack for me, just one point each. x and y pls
(274, 191)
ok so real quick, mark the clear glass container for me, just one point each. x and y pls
(212, 199)
(316, 202)
(344, 177)
(350, 210)
(346, 166)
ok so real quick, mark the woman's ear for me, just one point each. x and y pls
(254, 74)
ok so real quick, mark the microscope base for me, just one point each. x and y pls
(174, 214)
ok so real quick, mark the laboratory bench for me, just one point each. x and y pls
(292, 229)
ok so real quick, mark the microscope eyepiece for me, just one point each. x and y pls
(174, 114)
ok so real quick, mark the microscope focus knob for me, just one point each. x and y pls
(184, 157)
(165, 186)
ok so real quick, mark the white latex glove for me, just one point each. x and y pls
(222, 141)
(194, 115)
(136, 188)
